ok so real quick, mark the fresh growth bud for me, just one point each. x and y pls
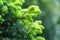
(38, 22)
(34, 9)
(18, 3)
(40, 38)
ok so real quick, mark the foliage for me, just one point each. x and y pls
(17, 23)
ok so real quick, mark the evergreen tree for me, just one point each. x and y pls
(17, 23)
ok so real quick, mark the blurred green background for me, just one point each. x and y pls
(50, 16)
